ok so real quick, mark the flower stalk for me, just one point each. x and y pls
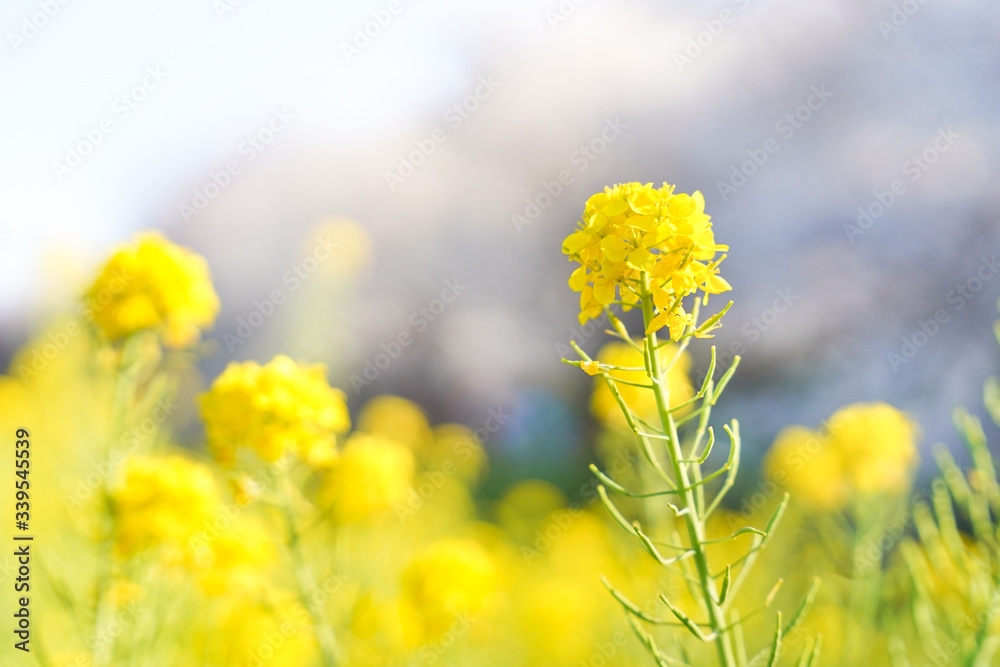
(651, 248)
(687, 505)
(306, 584)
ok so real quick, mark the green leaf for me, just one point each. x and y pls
(804, 606)
(687, 622)
(726, 580)
(775, 644)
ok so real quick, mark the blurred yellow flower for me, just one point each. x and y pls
(233, 557)
(281, 406)
(864, 448)
(156, 285)
(560, 617)
(162, 501)
(641, 401)
(632, 229)
(397, 419)
(371, 475)
(526, 507)
(877, 442)
(448, 584)
(802, 462)
(456, 448)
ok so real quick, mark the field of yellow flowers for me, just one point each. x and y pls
(285, 530)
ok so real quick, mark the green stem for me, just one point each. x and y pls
(866, 569)
(686, 494)
(122, 398)
(306, 583)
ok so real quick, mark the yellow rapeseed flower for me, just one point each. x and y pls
(371, 475)
(802, 461)
(447, 586)
(877, 443)
(153, 284)
(162, 502)
(281, 406)
(235, 557)
(397, 419)
(632, 229)
(641, 401)
(865, 448)
(456, 449)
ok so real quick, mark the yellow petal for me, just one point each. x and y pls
(644, 222)
(662, 299)
(590, 367)
(657, 322)
(680, 206)
(604, 291)
(641, 259)
(597, 222)
(615, 249)
(576, 242)
(677, 322)
(578, 279)
(717, 285)
(642, 202)
(615, 207)
(699, 201)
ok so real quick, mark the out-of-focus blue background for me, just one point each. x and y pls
(836, 102)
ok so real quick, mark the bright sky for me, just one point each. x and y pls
(220, 75)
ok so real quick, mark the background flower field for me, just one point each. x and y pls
(284, 309)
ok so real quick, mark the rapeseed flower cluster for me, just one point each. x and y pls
(371, 476)
(152, 284)
(631, 230)
(863, 449)
(161, 501)
(272, 409)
